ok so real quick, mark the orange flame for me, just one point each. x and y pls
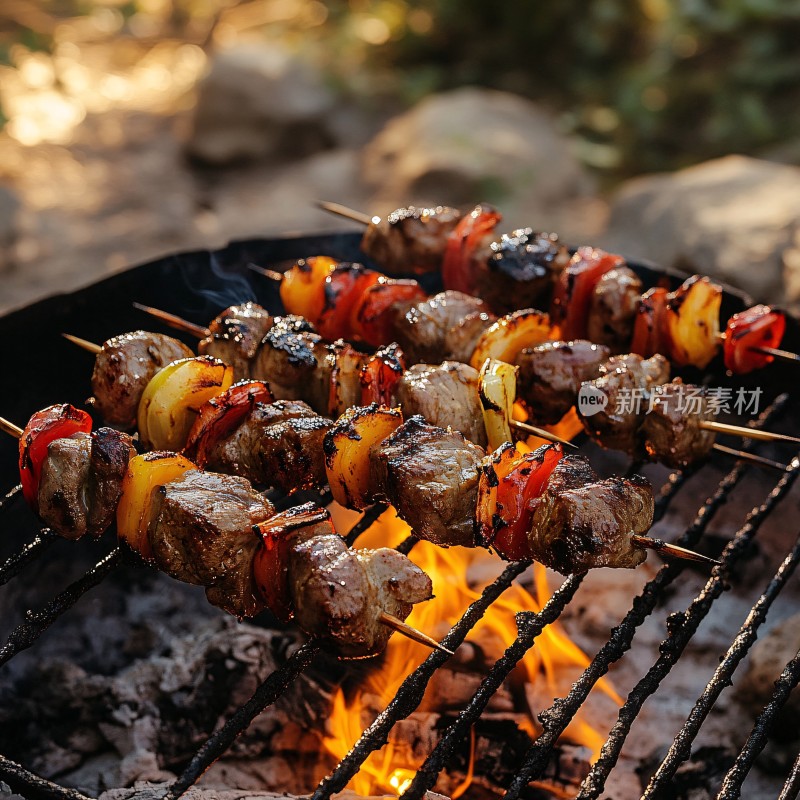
(458, 574)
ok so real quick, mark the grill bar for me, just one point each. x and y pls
(15, 563)
(365, 523)
(530, 625)
(556, 718)
(681, 627)
(411, 691)
(792, 786)
(32, 786)
(37, 622)
(10, 496)
(732, 785)
(682, 745)
(265, 695)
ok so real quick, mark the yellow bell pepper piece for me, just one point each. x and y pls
(498, 391)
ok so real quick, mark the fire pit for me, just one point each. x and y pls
(140, 679)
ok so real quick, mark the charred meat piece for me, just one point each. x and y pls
(580, 523)
(338, 594)
(82, 481)
(626, 382)
(410, 239)
(430, 475)
(423, 332)
(235, 337)
(201, 532)
(519, 269)
(551, 374)
(671, 428)
(445, 395)
(613, 307)
(461, 339)
(123, 368)
(293, 359)
(278, 444)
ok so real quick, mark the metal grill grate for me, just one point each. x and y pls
(681, 628)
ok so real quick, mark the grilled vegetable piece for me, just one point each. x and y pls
(430, 475)
(143, 476)
(277, 444)
(124, 367)
(759, 326)
(345, 364)
(378, 307)
(344, 288)
(171, 401)
(650, 334)
(551, 374)
(210, 544)
(498, 391)
(580, 523)
(671, 428)
(573, 293)
(692, 320)
(613, 308)
(519, 269)
(423, 331)
(410, 239)
(43, 428)
(510, 335)
(303, 287)
(380, 375)
(338, 594)
(221, 415)
(445, 395)
(626, 381)
(469, 235)
(347, 447)
(509, 482)
(235, 336)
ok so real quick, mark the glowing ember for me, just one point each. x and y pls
(459, 575)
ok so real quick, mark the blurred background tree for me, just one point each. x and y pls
(645, 84)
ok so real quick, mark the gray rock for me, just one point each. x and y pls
(475, 144)
(259, 100)
(734, 218)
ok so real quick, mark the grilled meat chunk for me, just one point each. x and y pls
(82, 480)
(410, 239)
(125, 366)
(345, 364)
(613, 307)
(461, 339)
(294, 360)
(235, 337)
(626, 381)
(580, 523)
(519, 269)
(278, 444)
(551, 374)
(430, 475)
(201, 532)
(338, 594)
(423, 332)
(671, 429)
(444, 395)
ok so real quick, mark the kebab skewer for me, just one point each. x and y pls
(594, 294)
(216, 531)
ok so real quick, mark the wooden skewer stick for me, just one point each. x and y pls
(90, 347)
(272, 274)
(174, 321)
(411, 633)
(10, 428)
(775, 352)
(540, 432)
(747, 433)
(674, 550)
(751, 457)
(343, 211)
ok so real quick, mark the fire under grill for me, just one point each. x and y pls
(199, 285)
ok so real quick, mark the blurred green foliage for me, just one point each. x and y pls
(644, 84)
